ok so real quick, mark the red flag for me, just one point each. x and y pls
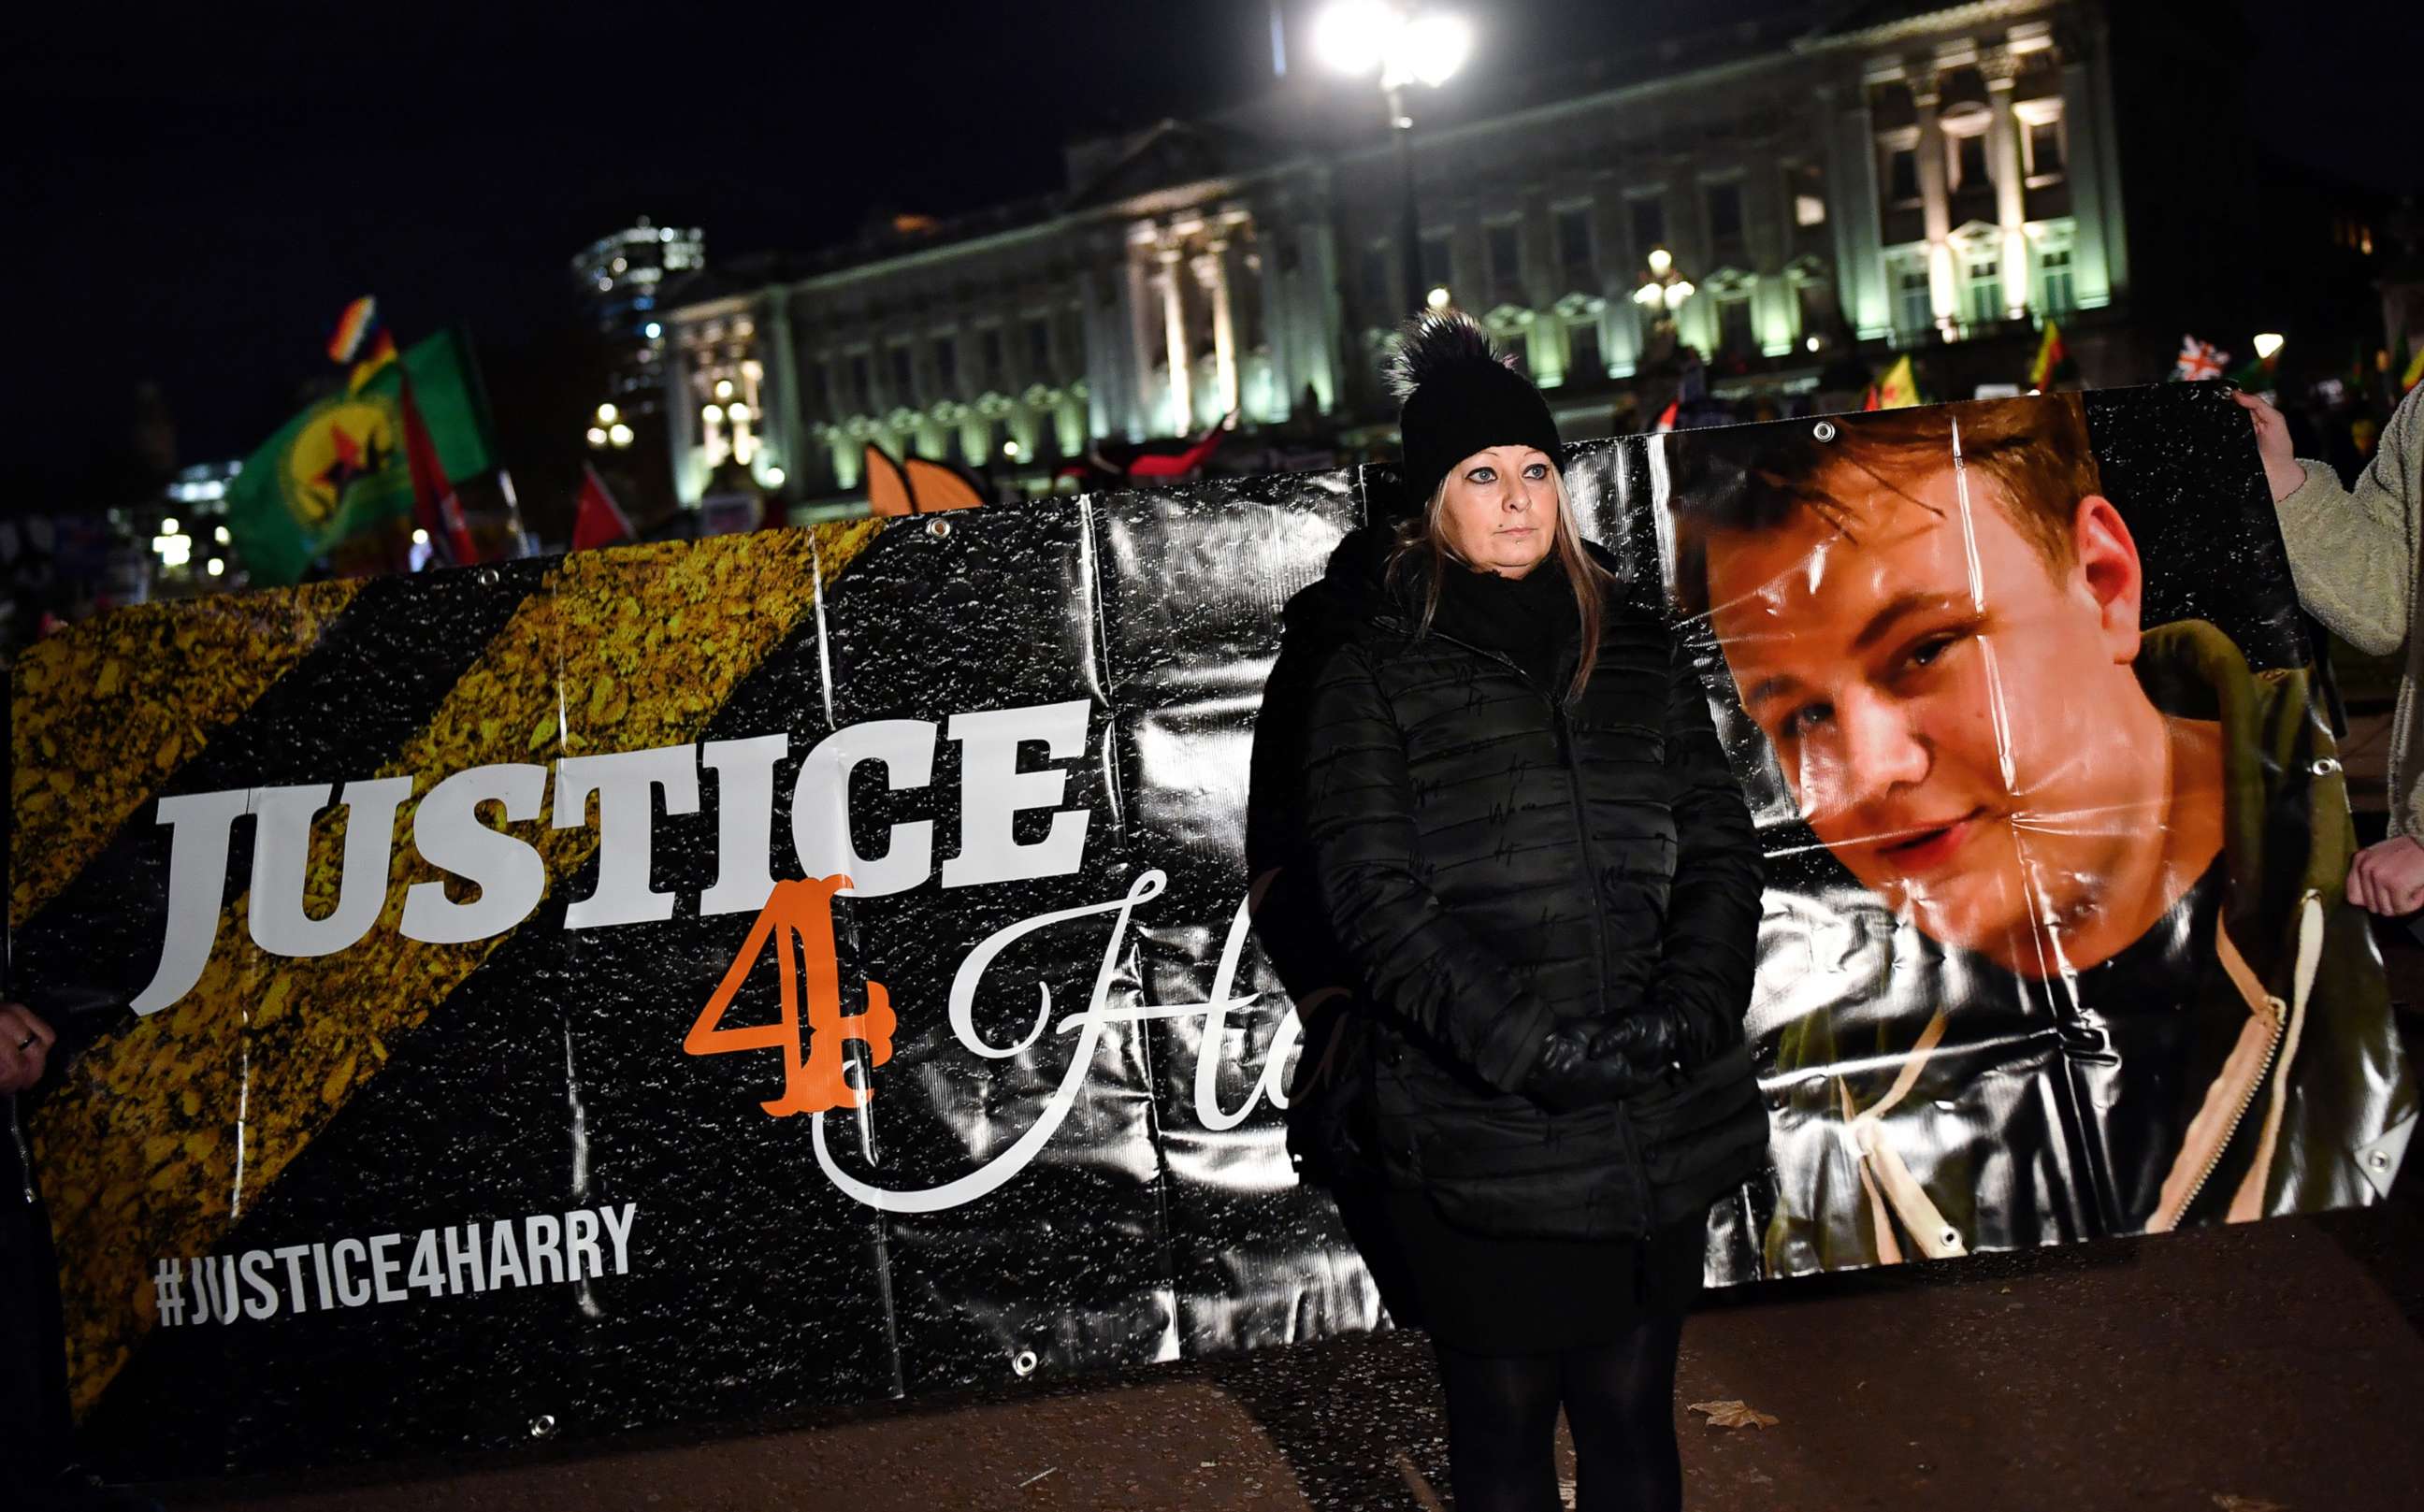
(598, 520)
(436, 507)
(1179, 464)
(1666, 416)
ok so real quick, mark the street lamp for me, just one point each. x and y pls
(1357, 37)
(2267, 343)
(1663, 290)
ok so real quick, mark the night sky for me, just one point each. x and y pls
(190, 199)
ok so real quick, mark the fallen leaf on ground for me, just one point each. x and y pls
(2246, 1504)
(1733, 1415)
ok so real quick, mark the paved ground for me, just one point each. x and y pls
(2275, 1365)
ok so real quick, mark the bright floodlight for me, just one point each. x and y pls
(608, 414)
(1438, 298)
(1649, 295)
(1660, 260)
(420, 537)
(1678, 291)
(774, 477)
(620, 434)
(1353, 36)
(2266, 344)
(1435, 47)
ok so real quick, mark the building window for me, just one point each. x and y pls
(1506, 257)
(820, 390)
(1734, 336)
(1574, 246)
(1039, 347)
(2053, 283)
(1435, 262)
(1901, 175)
(862, 383)
(1969, 156)
(1913, 308)
(1649, 225)
(1982, 299)
(904, 383)
(1809, 308)
(1808, 210)
(990, 344)
(947, 364)
(1585, 365)
(1725, 211)
(2043, 144)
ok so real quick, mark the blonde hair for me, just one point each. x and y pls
(1425, 534)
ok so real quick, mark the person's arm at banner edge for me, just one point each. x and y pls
(2352, 555)
(2352, 552)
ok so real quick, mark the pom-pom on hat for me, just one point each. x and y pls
(1459, 394)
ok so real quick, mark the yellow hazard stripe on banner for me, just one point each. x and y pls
(145, 1151)
(104, 716)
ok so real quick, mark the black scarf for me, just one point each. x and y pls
(1531, 619)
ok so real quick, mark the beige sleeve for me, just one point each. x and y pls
(2353, 553)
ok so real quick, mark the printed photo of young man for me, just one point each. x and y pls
(2108, 982)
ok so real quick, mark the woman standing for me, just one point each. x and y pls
(1534, 857)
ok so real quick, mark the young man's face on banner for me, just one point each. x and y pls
(1948, 699)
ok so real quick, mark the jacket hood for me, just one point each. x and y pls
(2279, 772)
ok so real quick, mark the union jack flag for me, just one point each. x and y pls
(2199, 359)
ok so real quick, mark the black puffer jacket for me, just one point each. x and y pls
(1493, 862)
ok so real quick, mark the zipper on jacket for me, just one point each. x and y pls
(1564, 733)
(2238, 1116)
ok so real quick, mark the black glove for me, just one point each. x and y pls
(1579, 1068)
(1650, 1042)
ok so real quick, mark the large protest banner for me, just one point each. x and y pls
(473, 1034)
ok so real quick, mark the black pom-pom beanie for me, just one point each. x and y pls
(1459, 395)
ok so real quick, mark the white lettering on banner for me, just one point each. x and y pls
(449, 834)
(1090, 1024)
(477, 1258)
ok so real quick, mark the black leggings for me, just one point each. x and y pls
(1619, 1402)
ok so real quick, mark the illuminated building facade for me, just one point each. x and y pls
(622, 278)
(1910, 175)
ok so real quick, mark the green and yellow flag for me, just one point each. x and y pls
(338, 467)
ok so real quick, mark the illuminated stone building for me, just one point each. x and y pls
(1903, 176)
(621, 278)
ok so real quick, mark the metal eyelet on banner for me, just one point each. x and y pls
(543, 1426)
(2324, 766)
(2379, 1160)
(487, 579)
(938, 529)
(1024, 1363)
(1823, 430)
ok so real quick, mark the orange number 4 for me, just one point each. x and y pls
(799, 915)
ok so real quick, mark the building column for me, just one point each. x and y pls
(1137, 301)
(1943, 287)
(1279, 333)
(1106, 364)
(2098, 238)
(681, 423)
(1320, 320)
(2011, 188)
(1181, 398)
(1852, 190)
(790, 428)
(1211, 270)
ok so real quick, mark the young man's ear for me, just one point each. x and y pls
(2108, 567)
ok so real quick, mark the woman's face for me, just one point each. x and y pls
(1500, 509)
